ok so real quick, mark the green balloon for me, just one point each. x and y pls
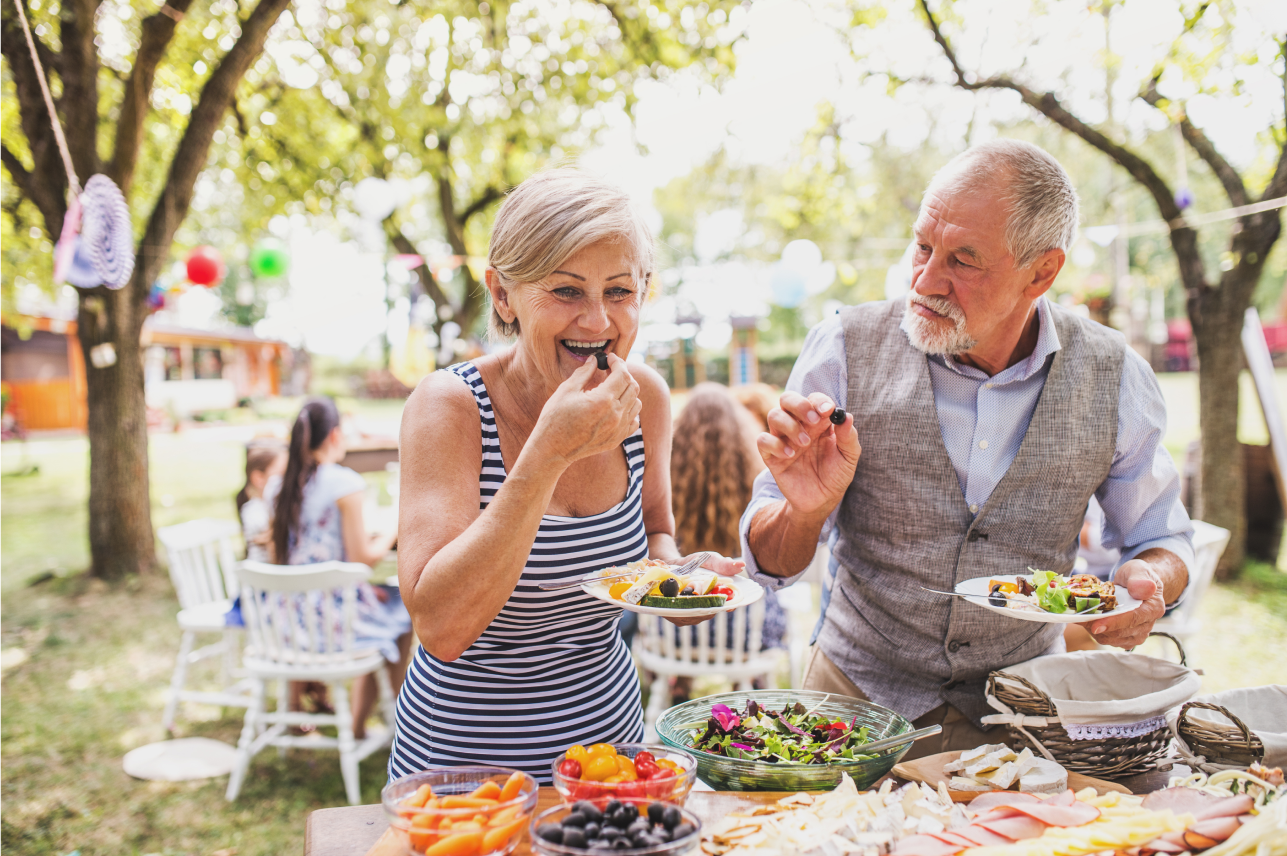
(269, 259)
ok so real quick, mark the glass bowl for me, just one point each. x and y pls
(675, 728)
(548, 848)
(600, 793)
(496, 828)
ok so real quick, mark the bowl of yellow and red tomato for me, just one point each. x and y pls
(628, 772)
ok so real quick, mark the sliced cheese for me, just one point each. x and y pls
(1002, 777)
(1046, 777)
(975, 754)
(701, 581)
(961, 783)
(1026, 761)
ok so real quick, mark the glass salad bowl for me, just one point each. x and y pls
(676, 725)
(483, 810)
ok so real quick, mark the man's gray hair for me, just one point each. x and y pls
(1039, 193)
(551, 217)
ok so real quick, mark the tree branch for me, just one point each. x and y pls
(488, 196)
(78, 104)
(47, 187)
(158, 30)
(1198, 141)
(20, 174)
(428, 282)
(194, 146)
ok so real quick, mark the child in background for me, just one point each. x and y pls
(262, 463)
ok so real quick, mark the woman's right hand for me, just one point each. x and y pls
(812, 461)
(582, 418)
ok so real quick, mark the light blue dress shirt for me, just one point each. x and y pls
(984, 420)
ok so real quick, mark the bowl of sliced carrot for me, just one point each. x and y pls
(460, 811)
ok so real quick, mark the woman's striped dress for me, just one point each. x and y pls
(550, 670)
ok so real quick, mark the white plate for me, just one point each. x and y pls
(746, 591)
(977, 588)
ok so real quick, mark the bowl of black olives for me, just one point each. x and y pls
(632, 829)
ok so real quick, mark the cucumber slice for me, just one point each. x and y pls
(691, 602)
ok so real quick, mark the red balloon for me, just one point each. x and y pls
(205, 266)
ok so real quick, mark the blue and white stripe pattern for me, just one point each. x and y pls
(551, 669)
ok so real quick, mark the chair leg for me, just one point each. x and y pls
(658, 700)
(178, 679)
(387, 700)
(249, 731)
(348, 745)
(283, 705)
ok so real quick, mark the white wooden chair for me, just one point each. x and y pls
(299, 624)
(669, 651)
(1208, 545)
(202, 558)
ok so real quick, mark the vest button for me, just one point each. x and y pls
(954, 646)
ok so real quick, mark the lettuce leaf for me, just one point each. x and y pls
(1052, 598)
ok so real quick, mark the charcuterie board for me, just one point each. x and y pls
(930, 771)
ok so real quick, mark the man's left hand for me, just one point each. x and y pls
(1143, 582)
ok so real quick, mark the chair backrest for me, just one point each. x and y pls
(302, 615)
(1209, 542)
(731, 639)
(203, 561)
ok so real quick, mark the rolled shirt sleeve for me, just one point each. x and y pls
(1141, 496)
(821, 368)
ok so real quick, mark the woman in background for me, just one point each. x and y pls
(318, 518)
(713, 462)
(263, 462)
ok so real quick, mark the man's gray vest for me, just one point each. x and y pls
(904, 523)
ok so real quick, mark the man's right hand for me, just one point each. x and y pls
(812, 461)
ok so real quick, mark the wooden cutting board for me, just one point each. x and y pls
(930, 771)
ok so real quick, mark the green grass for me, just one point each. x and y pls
(86, 665)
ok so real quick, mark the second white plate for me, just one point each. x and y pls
(747, 592)
(977, 589)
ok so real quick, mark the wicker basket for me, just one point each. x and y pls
(1108, 758)
(1228, 745)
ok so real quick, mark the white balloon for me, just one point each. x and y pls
(803, 256)
(374, 198)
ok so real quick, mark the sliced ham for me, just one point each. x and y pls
(1014, 828)
(1217, 828)
(1180, 801)
(1161, 845)
(1065, 798)
(981, 836)
(955, 837)
(925, 845)
(1226, 807)
(995, 798)
(1077, 814)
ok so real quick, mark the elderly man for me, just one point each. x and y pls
(987, 418)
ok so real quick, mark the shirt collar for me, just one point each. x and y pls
(1047, 344)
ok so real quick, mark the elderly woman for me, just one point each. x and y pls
(528, 466)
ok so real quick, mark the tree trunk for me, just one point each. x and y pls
(120, 520)
(1221, 500)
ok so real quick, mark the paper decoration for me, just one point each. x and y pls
(107, 235)
(269, 259)
(205, 266)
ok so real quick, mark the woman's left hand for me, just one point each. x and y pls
(721, 565)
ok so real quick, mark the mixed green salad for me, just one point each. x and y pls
(794, 735)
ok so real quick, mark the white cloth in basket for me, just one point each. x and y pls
(1104, 694)
(1262, 709)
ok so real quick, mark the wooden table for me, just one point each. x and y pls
(353, 830)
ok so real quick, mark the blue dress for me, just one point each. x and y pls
(551, 670)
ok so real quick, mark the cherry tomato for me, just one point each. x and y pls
(645, 756)
(570, 768)
(603, 749)
(661, 785)
(645, 769)
(724, 590)
(625, 765)
(670, 765)
(615, 779)
(599, 768)
(585, 791)
(577, 753)
(632, 790)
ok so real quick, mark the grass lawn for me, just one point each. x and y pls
(86, 665)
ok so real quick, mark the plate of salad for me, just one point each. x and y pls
(1048, 597)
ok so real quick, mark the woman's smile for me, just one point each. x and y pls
(582, 349)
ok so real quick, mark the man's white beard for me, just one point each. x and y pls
(931, 335)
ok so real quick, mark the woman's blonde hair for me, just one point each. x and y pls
(711, 471)
(552, 216)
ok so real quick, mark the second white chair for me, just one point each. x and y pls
(670, 651)
(300, 627)
(202, 559)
